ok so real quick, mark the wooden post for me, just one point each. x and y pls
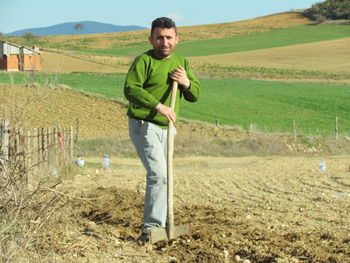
(251, 131)
(39, 147)
(44, 146)
(35, 153)
(336, 128)
(28, 157)
(20, 151)
(5, 139)
(77, 129)
(16, 144)
(55, 146)
(49, 148)
(55, 130)
(71, 142)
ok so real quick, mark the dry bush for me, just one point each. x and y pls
(24, 210)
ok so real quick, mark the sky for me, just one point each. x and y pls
(24, 14)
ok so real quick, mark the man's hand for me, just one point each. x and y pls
(180, 76)
(168, 112)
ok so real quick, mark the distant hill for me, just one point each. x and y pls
(76, 28)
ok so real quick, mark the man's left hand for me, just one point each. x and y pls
(180, 76)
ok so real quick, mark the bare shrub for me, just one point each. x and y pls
(24, 210)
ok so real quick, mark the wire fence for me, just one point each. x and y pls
(37, 152)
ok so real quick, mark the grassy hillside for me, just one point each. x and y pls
(139, 38)
(269, 39)
(269, 106)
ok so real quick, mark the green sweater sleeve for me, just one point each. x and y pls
(191, 94)
(133, 87)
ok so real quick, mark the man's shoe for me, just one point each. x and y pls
(144, 238)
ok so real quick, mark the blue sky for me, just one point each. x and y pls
(23, 14)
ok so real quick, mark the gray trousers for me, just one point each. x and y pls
(150, 142)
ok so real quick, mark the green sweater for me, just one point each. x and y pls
(148, 83)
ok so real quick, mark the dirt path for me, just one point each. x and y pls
(59, 62)
(265, 209)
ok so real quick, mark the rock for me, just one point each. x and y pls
(236, 258)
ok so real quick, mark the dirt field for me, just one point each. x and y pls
(265, 209)
(62, 63)
(297, 57)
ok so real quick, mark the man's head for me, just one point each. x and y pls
(163, 37)
(163, 22)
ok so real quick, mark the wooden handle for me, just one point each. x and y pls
(173, 95)
(170, 141)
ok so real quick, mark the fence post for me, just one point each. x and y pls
(336, 128)
(20, 150)
(28, 157)
(77, 130)
(71, 142)
(251, 131)
(5, 139)
(44, 145)
(39, 146)
(35, 151)
(49, 154)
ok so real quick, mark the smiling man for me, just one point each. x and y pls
(148, 89)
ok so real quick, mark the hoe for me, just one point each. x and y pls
(170, 231)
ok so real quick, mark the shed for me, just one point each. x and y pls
(19, 58)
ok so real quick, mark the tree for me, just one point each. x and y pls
(79, 27)
(29, 37)
(329, 9)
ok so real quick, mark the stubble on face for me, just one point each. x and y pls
(163, 41)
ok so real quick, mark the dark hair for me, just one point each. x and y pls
(163, 22)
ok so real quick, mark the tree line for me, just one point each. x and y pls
(329, 9)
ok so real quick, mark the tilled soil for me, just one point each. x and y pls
(262, 209)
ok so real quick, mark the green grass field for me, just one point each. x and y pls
(270, 39)
(273, 106)
(269, 106)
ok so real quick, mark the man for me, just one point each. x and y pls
(148, 89)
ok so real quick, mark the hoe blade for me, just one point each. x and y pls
(161, 233)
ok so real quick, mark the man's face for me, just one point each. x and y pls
(163, 41)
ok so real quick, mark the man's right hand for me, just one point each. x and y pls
(166, 111)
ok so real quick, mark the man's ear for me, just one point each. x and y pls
(150, 39)
(177, 39)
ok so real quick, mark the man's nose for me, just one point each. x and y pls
(164, 40)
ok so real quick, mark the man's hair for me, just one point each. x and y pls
(163, 22)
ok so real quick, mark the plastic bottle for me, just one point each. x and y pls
(105, 162)
(322, 164)
(341, 194)
(80, 161)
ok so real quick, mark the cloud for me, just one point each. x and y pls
(177, 18)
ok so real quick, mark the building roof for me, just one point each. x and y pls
(7, 48)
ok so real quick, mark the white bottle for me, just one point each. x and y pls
(322, 164)
(105, 162)
(80, 161)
